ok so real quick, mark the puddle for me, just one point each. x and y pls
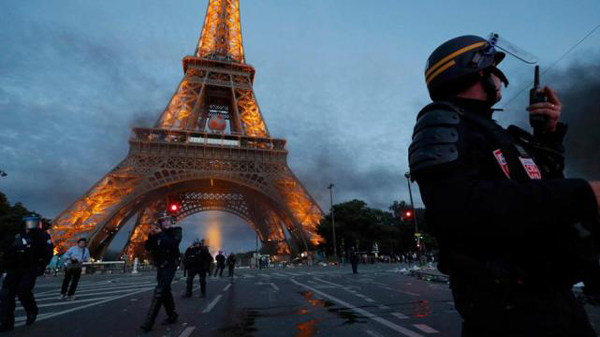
(307, 329)
(421, 309)
(315, 302)
(245, 327)
(347, 315)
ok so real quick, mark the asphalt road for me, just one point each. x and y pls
(303, 302)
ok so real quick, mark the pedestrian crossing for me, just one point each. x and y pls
(89, 293)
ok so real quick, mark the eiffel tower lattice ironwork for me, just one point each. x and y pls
(210, 150)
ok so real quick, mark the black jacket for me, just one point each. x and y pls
(484, 201)
(33, 249)
(197, 258)
(164, 246)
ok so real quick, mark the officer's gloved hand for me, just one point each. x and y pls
(596, 188)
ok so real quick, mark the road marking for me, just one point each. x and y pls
(400, 291)
(248, 276)
(383, 307)
(85, 306)
(272, 285)
(187, 332)
(281, 275)
(19, 307)
(227, 287)
(399, 315)
(425, 328)
(331, 283)
(211, 305)
(369, 300)
(264, 275)
(372, 333)
(53, 296)
(363, 312)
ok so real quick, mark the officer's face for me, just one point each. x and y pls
(498, 84)
(81, 244)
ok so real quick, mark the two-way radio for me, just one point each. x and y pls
(537, 122)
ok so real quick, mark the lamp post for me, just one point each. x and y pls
(333, 221)
(412, 205)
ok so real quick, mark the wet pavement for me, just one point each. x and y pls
(301, 302)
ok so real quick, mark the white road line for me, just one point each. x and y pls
(211, 305)
(363, 312)
(85, 306)
(227, 287)
(280, 274)
(401, 291)
(425, 328)
(369, 300)
(187, 332)
(264, 275)
(77, 294)
(248, 275)
(330, 283)
(68, 302)
(272, 285)
(383, 307)
(85, 290)
(372, 333)
(399, 315)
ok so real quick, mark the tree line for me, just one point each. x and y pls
(363, 227)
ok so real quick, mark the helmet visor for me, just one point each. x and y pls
(495, 41)
(33, 223)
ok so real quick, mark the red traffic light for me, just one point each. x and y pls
(173, 208)
(408, 214)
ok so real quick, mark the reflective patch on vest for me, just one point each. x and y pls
(531, 168)
(502, 161)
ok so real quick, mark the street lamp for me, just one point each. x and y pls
(414, 215)
(332, 220)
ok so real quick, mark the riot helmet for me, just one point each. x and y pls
(456, 64)
(164, 220)
(32, 222)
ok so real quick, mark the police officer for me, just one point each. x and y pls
(163, 243)
(26, 259)
(497, 200)
(197, 262)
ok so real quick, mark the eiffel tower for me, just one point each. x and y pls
(209, 150)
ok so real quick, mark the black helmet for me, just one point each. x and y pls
(455, 64)
(32, 221)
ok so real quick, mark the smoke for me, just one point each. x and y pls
(579, 88)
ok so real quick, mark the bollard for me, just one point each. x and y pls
(135, 266)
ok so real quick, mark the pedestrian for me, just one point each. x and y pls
(354, 258)
(231, 264)
(220, 264)
(25, 259)
(163, 244)
(497, 201)
(197, 262)
(74, 259)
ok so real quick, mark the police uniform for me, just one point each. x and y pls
(164, 248)
(197, 262)
(503, 214)
(26, 259)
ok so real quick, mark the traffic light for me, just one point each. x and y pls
(408, 215)
(173, 207)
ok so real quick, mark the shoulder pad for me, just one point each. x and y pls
(434, 138)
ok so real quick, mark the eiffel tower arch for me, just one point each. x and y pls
(210, 149)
